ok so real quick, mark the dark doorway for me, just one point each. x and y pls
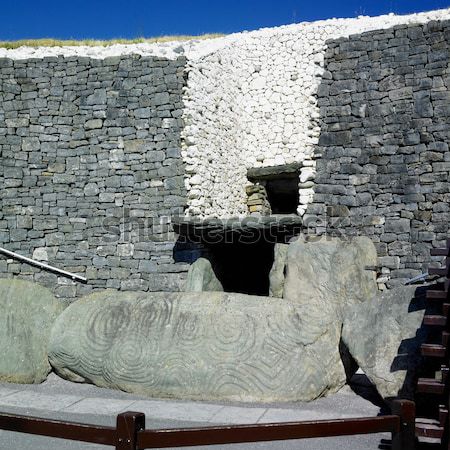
(282, 194)
(241, 250)
(243, 266)
(281, 185)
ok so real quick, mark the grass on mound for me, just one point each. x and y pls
(98, 43)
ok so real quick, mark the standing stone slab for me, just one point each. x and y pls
(27, 313)
(323, 278)
(276, 275)
(201, 277)
(203, 345)
(330, 272)
(384, 336)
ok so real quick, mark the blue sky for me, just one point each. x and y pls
(105, 19)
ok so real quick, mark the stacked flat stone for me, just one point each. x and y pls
(250, 99)
(253, 103)
(87, 139)
(85, 142)
(257, 200)
(385, 166)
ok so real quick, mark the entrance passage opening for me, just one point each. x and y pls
(281, 186)
(282, 194)
(241, 250)
(243, 266)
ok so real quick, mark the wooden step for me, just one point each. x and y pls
(435, 320)
(438, 319)
(433, 350)
(430, 386)
(428, 430)
(435, 385)
(437, 295)
(444, 374)
(439, 252)
(443, 415)
(445, 338)
(440, 271)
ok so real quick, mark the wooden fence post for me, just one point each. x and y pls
(128, 425)
(405, 438)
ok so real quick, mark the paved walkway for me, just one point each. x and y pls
(57, 395)
(57, 398)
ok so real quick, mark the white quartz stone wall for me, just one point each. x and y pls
(252, 103)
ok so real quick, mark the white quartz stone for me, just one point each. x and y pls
(40, 254)
(250, 101)
(306, 174)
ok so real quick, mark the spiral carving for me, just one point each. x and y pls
(207, 345)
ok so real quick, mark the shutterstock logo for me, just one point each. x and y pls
(130, 227)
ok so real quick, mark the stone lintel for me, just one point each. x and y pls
(272, 172)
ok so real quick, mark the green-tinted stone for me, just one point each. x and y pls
(27, 313)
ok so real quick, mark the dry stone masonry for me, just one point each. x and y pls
(253, 103)
(385, 162)
(91, 168)
(100, 146)
(257, 201)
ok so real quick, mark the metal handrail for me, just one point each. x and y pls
(44, 266)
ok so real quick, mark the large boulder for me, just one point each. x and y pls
(27, 314)
(324, 277)
(203, 345)
(384, 336)
(330, 272)
(201, 277)
(276, 275)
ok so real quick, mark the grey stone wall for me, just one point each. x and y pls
(90, 167)
(383, 161)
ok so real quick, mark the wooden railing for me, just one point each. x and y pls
(434, 385)
(130, 433)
